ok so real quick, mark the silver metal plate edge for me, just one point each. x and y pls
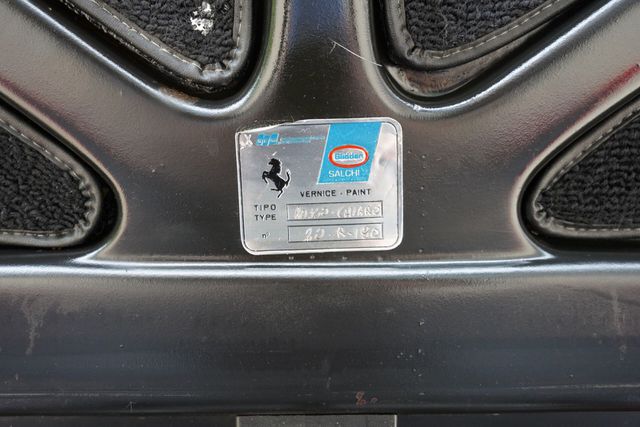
(400, 179)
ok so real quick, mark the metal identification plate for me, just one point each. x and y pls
(321, 186)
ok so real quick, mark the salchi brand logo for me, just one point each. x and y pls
(348, 156)
(349, 152)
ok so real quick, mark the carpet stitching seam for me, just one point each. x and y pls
(589, 148)
(82, 186)
(171, 51)
(475, 45)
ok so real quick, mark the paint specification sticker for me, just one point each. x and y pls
(321, 186)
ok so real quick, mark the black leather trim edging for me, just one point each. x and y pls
(205, 77)
(406, 50)
(435, 83)
(539, 217)
(87, 185)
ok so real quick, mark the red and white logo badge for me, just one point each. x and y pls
(348, 156)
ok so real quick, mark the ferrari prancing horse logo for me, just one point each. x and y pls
(274, 175)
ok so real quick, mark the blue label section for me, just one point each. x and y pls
(267, 139)
(349, 151)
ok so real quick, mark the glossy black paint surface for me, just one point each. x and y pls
(469, 313)
(528, 419)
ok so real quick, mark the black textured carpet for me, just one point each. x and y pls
(446, 24)
(603, 189)
(199, 30)
(35, 194)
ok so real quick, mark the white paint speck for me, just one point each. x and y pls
(202, 18)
